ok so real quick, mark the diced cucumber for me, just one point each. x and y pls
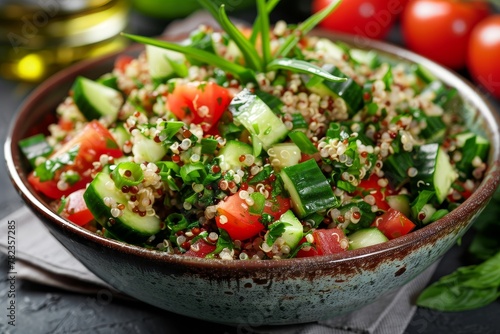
(284, 155)
(34, 147)
(165, 64)
(110, 80)
(146, 149)
(95, 100)
(294, 230)
(435, 171)
(400, 203)
(129, 226)
(303, 142)
(120, 134)
(256, 116)
(369, 58)
(348, 90)
(435, 129)
(308, 188)
(366, 237)
(231, 152)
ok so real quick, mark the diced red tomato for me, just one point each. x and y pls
(393, 224)
(239, 223)
(372, 187)
(202, 247)
(122, 62)
(326, 241)
(93, 141)
(65, 124)
(200, 103)
(75, 209)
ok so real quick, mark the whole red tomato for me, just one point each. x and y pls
(440, 29)
(367, 18)
(483, 57)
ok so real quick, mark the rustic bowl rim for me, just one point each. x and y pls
(472, 204)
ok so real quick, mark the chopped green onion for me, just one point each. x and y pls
(249, 53)
(176, 222)
(127, 174)
(239, 71)
(263, 21)
(302, 66)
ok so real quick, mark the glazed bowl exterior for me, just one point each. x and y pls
(255, 292)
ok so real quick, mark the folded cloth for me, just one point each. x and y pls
(42, 259)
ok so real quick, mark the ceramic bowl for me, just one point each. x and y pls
(256, 292)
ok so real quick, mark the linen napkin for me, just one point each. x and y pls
(42, 259)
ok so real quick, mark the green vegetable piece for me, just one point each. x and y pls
(34, 147)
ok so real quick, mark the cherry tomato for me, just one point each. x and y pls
(440, 29)
(371, 186)
(239, 223)
(393, 224)
(75, 209)
(367, 18)
(200, 248)
(484, 54)
(92, 141)
(199, 102)
(326, 241)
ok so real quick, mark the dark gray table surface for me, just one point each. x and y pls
(41, 309)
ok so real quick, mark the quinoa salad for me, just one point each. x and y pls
(296, 146)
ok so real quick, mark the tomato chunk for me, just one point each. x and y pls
(200, 103)
(234, 217)
(75, 209)
(200, 248)
(393, 224)
(326, 241)
(371, 186)
(91, 142)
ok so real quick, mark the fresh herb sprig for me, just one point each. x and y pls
(475, 286)
(254, 62)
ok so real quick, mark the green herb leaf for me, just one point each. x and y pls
(224, 241)
(276, 230)
(263, 22)
(256, 26)
(304, 28)
(46, 171)
(302, 66)
(251, 56)
(465, 289)
(239, 71)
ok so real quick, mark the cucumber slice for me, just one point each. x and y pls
(348, 90)
(120, 134)
(294, 230)
(366, 57)
(129, 227)
(256, 116)
(146, 149)
(400, 203)
(34, 147)
(232, 151)
(308, 188)
(95, 100)
(435, 171)
(366, 237)
(165, 64)
(284, 155)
